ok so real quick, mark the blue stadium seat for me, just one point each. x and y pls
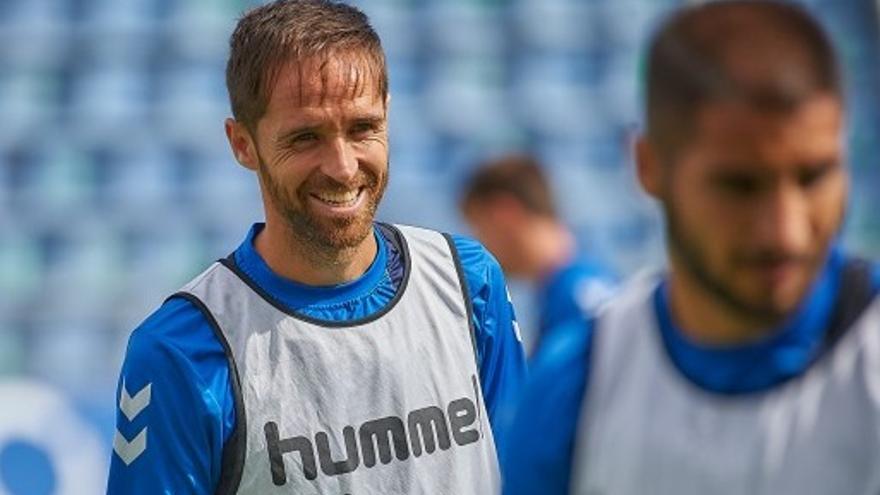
(462, 27)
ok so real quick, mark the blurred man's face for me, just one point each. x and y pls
(496, 222)
(323, 152)
(753, 202)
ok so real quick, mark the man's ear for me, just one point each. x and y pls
(648, 167)
(243, 145)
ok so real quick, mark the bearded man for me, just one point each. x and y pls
(751, 364)
(328, 353)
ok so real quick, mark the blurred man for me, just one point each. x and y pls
(753, 364)
(510, 207)
(328, 353)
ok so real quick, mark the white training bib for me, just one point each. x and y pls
(388, 405)
(646, 429)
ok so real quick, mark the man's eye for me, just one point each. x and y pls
(811, 177)
(741, 186)
(363, 129)
(305, 137)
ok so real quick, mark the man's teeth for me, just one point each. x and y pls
(339, 198)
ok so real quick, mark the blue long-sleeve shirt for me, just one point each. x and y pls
(175, 350)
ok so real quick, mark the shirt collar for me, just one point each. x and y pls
(296, 295)
(784, 353)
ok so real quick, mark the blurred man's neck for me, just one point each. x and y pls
(706, 319)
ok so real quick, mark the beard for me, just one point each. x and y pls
(693, 258)
(320, 235)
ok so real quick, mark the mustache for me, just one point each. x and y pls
(324, 183)
(769, 257)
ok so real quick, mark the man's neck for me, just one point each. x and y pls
(705, 319)
(288, 258)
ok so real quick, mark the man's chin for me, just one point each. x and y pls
(770, 307)
(340, 236)
(788, 296)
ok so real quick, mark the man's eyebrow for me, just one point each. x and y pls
(372, 122)
(820, 164)
(726, 166)
(372, 118)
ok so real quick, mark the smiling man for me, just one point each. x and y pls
(752, 365)
(328, 353)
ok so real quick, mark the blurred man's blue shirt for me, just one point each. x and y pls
(571, 291)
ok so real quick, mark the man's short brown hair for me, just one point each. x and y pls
(286, 31)
(518, 176)
(764, 53)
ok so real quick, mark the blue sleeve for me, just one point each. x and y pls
(574, 292)
(876, 277)
(175, 408)
(538, 457)
(499, 346)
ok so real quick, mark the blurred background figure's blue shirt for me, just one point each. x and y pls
(542, 442)
(191, 412)
(573, 291)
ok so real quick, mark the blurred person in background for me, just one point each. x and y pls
(753, 364)
(509, 204)
(328, 353)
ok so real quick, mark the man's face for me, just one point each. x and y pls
(322, 148)
(498, 223)
(753, 202)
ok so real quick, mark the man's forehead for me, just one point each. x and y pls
(816, 123)
(316, 81)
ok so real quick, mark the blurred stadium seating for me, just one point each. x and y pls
(116, 185)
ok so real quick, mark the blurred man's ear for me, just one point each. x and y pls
(648, 166)
(242, 143)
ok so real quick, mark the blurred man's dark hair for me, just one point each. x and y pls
(509, 204)
(769, 54)
(291, 31)
(518, 176)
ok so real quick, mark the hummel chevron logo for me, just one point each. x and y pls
(129, 451)
(132, 406)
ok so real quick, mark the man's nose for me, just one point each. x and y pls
(784, 220)
(339, 161)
